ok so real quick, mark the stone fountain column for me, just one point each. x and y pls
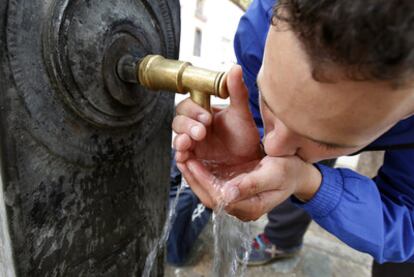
(84, 156)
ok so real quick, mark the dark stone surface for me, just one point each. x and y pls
(85, 177)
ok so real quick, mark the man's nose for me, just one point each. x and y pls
(280, 141)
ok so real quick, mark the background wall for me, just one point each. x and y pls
(207, 32)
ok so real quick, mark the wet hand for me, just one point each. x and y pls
(209, 184)
(257, 190)
(271, 182)
(226, 136)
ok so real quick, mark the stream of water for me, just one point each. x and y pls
(230, 235)
(160, 243)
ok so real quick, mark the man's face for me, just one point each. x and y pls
(321, 120)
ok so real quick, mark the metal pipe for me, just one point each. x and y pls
(157, 73)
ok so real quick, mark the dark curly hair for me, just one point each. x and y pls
(370, 39)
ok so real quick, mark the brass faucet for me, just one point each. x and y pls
(158, 73)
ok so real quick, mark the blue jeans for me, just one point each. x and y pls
(191, 217)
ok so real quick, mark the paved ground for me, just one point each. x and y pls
(322, 256)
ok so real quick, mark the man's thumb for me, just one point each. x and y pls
(239, 96)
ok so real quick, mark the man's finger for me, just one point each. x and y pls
(194, 111)
(239, 97)
(205, 179)
(216, 109)
(185, 125)
(254, 207)
(183, 142)
(182, 157)
(250, 185)
(195, 186)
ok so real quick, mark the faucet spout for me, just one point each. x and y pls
(158, 73)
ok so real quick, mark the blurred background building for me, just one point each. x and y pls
(207, 34)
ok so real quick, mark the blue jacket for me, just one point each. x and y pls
(375, 216)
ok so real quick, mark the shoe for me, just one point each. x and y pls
(263, 252)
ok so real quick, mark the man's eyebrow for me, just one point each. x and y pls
(329, 144)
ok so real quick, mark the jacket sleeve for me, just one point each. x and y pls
(373, 216)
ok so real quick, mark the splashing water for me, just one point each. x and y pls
(230, 235)
(149, 262)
